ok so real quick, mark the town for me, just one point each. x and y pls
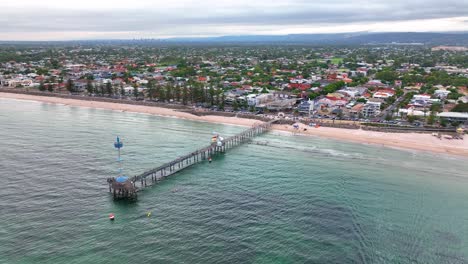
(400, 85)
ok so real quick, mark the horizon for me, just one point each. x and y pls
(54, 20)
(220, 37)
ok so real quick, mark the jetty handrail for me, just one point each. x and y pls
(203, 152)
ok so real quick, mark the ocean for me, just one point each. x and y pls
(288, 199)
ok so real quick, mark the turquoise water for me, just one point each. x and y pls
(295, 200)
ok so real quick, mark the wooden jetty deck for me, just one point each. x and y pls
(153, 176)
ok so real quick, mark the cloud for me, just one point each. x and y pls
(209, 17)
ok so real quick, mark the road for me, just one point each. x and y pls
(392, 107)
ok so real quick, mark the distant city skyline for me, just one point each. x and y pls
(119, 19)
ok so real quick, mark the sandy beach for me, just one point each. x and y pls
(411, 141)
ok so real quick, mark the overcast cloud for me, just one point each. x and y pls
(84, 19)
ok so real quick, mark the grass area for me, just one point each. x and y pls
(337, 61)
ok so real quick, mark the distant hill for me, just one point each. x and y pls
(359, 38)
(341, 38)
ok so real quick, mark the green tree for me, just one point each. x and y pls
(388, 76)
(235, 105)
(177, 93)
(109, 89)
(388, 117)
(412, 118)
(89, 87)
(42, 87)
(461, 107)
(135, 91)
(122, 90)
(185, 95)
(432, 117)
(151, 90)
(221, 103)
(70, 86)
(212, 95)
(169, 93)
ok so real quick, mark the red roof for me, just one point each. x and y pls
(384, 90)
(300, 86)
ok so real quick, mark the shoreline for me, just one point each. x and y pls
(402, 141)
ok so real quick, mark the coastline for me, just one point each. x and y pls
(405, 141)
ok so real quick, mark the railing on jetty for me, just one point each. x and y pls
(153, 176)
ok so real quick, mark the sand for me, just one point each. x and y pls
(408, 141)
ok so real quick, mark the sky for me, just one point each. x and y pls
(129, 19)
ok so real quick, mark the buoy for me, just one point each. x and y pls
(111, 217)
(148, 214)
(209, 159)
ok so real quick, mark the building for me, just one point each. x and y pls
(454, 116)
(372, 108)
(441, 93)
(306, 107)
(450, 48)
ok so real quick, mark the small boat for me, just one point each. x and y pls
(111, 217)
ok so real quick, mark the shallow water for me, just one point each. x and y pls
(294, 200)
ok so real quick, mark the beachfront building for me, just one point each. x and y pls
(280, 105)
(306, 107)
(372, 108)
(454, 116)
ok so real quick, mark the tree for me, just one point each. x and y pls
(388, 117)
(122, 90)
(412, 118)
(386, 76)
(100, 90)
(185, 95)
(70, 85)
(314, 95)
(235, 105)
(151, 90)
(177, 92)
(109, 90)
(135, 91)
(89, 87)
(42, 87)
(432, 117)
(50, 88)
(221, 103)
(333, 87)
(169, 93)
(462, 107)
(212, 94)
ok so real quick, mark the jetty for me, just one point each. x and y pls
(128, 189)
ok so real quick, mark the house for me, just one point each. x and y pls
(441, 93)
(283, 95)
(422, 97)
(356, 110)
(384, 93)
(299, 86)
(353, 91)
(411, 111)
